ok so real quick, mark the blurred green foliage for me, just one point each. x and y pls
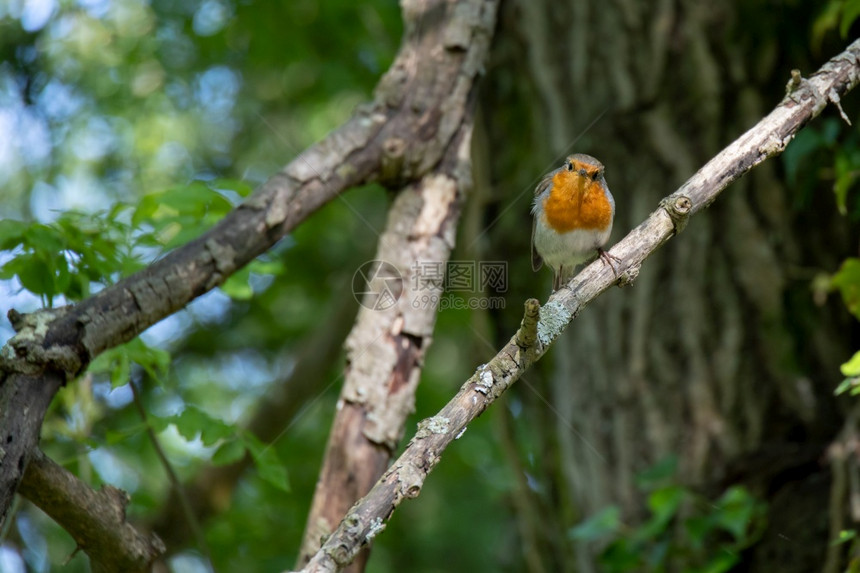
(850, 536)
(684, 531)
(830, 152)
(835, 14)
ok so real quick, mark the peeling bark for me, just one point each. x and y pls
(386, 348)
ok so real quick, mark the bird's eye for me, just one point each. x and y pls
(569, 166)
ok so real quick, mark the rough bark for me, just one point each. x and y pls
(95, 519)
(385, 350)
(542, 326)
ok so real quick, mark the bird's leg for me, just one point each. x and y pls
(557, 278)
(607, 259)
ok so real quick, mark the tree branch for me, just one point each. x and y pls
(405, 477)
(399, 138)
(386, 348)
(95, 519)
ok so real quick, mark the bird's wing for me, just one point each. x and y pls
(542, 187)
(545, 182)
(537, 261)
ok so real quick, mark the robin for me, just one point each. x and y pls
(573, 212)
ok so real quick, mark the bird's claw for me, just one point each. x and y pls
(608, 259)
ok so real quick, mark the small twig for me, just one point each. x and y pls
(527, 334)
(71, 556)
(7, 525)
(172, 477)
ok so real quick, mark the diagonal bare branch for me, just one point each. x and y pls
(95, 519)
(387, 345)
(404, 479)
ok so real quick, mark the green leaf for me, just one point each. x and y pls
(840, 189)
(846, 169)
(118, 436)
(852, 384)
(61, 274)
(737, 506)
(844, 536)
(722, 562)
(601, 525)
(193, 422)
(236, 185)
(658, 473)
(229, 452)
(263, 267)
(195, 198)
(155, 361)
(847, 281)
(664, 504)
(620, 557)
(43, 238)
(237, 286)
(181, 213)
(112, 362)
(159, 423)
(117, 362)
(827, 19)
(11, 234)
(269, 465)
(34, 273)
(852, 367)
(272, 470)
(698, 528)
(121, 371)
(850, 12)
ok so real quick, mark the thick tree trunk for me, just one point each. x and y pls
(717, 353)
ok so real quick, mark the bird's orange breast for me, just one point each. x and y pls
(577, 202)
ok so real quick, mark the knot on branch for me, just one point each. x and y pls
(411, 478)
(678, 207)
(344, 553)
(391, 162)
(798, 89)
(527, 334)
(27, 353)
(630, 274)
